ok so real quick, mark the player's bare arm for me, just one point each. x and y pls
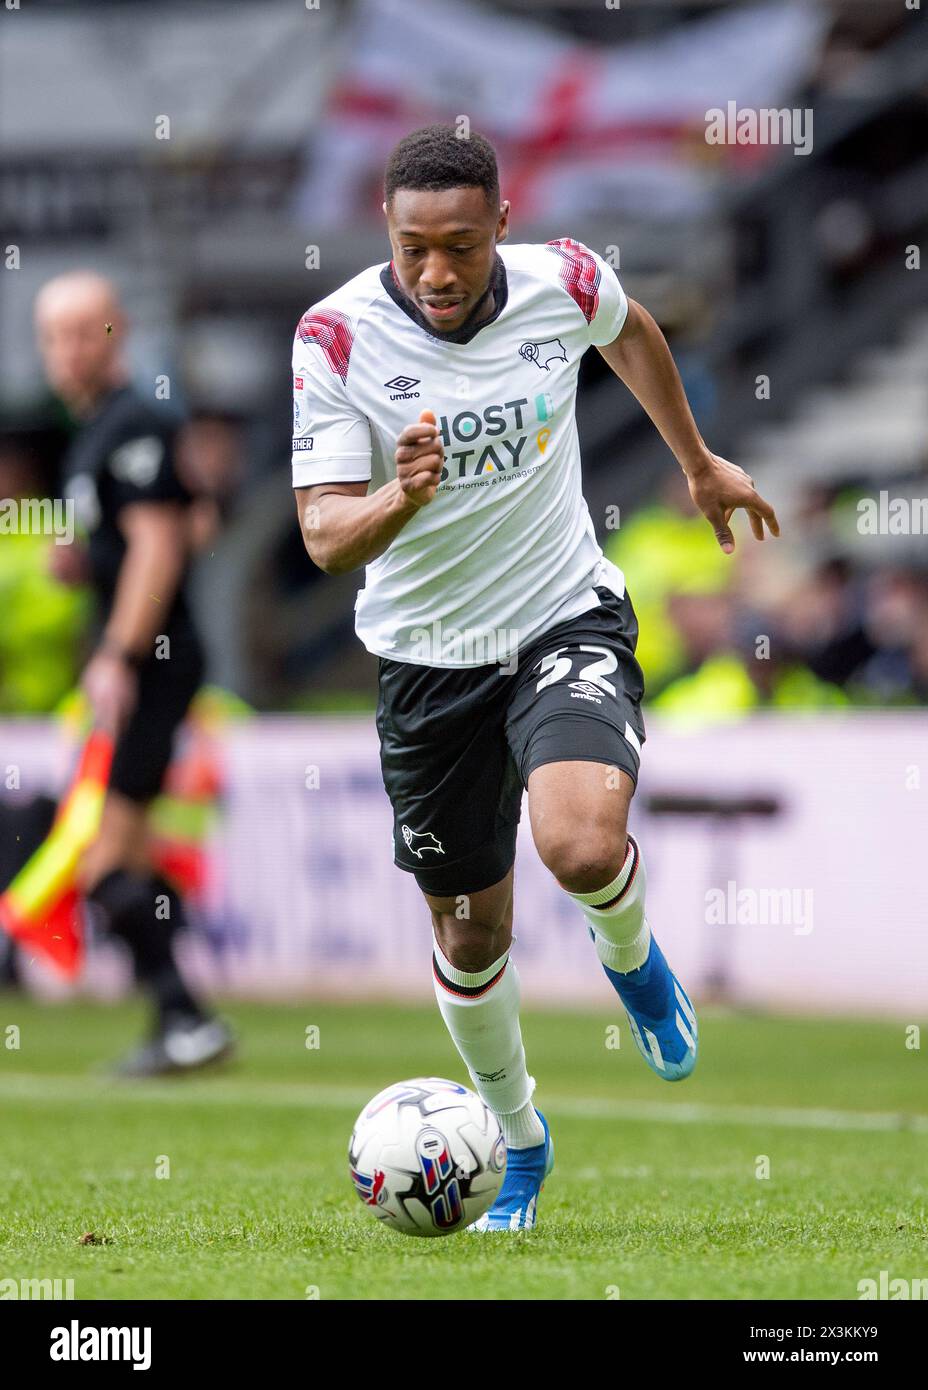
(640, 358)
(344, 529)
(151, 570)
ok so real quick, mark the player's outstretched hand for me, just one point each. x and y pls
(420, 459)
(719, 490)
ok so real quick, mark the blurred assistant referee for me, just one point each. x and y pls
(148, 663)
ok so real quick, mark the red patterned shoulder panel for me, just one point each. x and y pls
(580, 275)
(331, 330)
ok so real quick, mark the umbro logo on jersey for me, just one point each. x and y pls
(543, 354)
(402, 386)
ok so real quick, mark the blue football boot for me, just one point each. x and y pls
(515, 1209)
(660, 1015)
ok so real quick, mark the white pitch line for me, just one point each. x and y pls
(313, 1095)
(777, 1116)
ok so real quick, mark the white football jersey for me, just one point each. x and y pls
(506, 548)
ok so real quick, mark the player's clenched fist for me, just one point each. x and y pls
(419, 459)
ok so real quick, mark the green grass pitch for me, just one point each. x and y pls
(655, 1194)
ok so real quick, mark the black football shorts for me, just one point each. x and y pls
(457, 744)
(166, 687)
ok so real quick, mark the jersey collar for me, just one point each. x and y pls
(469, 329)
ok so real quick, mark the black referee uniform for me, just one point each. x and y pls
(124, 454)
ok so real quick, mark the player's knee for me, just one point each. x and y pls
(473, 943)
(583, 863)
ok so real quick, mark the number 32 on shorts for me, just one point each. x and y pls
(556, 667)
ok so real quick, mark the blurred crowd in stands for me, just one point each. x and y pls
(811, 621)
(793, 623)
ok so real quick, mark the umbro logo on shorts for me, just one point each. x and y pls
(586, 690)
(419, 842)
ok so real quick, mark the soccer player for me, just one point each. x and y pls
(506, 641)
(148, 663)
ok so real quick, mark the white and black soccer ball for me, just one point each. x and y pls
(427, 1157)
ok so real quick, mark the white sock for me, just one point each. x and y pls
(481, 1012)
(621, 933)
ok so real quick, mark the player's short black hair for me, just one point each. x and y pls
(436, 157)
